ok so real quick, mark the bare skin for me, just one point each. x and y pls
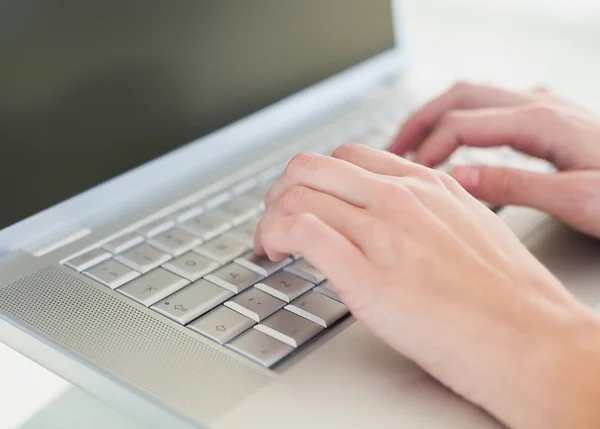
(435, 274)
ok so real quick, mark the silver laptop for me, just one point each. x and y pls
(138, 142)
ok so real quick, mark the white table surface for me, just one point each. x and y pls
(519, 43)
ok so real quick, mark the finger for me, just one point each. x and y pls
(522, 128)
(323, 247)
(378, 161)
(557, 194)
(349, 220)
(387, 164)
(460, 96)
(338, 178)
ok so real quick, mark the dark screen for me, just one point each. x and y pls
(89, 90)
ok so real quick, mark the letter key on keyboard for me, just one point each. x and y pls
(153, 286)
(191, 266)
(318, 308)
(175, 241)
(255, 304)
(305, 270)
(241, 209)
(222, 249)
(208, 225)
(289, 328)
(112, 273)
(245, 233)
(285, 286)
(326, 290)
(143, 258)
(260, 347)
(260, 264)
(234, 278)
(156, 227)
(124, 242)
(88, 259)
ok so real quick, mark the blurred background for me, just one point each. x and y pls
(517, 43)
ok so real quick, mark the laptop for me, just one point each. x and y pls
(138, 142)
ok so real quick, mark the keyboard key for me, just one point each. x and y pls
(305, 270)
(245, 233)
(88, 259)
(273, 172)
(217, 199)
(187, 212)
(124, 242)
(289, 328)
(156, 227)
(318, 308)
(112, 273)
(255, 304)
(222, 324)
(285, 286)
(241, 209)
(153, 286)
(261, 192)
(191, 266)
(244, 186)
(192, 301)
(326, 290)
(260, 264)
(208, 225)
(234, 278)
(143, 258)
(261, 348)
(222, 249)
(175, 241)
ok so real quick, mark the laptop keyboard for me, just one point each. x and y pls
(196, 267)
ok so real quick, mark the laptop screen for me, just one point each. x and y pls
(89, 90)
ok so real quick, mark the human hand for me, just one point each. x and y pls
(537, 123)
(442, 280)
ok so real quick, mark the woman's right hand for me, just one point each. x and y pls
(537, 123)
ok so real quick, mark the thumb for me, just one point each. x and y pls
(551, 193)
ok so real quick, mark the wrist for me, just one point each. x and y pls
(565, 373)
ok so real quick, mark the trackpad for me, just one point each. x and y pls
(356, 381)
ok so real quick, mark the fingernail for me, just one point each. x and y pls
(468, 177)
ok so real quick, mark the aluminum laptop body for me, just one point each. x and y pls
(90, 266)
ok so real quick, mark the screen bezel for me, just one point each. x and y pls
(84, 210)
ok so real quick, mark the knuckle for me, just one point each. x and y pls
(451, 118)
(301, 226)
(300, 163)
(461, 86)
(347, 150)
(291, 199)
(447, 181)
(541, 112)
(380, 232)
(393, 196)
